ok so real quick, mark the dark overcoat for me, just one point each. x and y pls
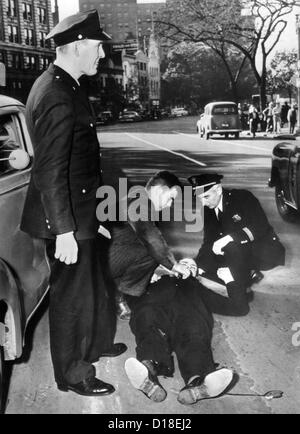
(66, 168)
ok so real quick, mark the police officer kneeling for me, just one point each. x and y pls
(238, 243)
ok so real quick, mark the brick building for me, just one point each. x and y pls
(24, 51)
(131, 26)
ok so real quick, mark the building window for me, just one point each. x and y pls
(27, 11)
(13, 34)
(14, 61)
(29, 39)
(42, 15)
(11, 6)
(45, 62)
(29, 62)
(42, 37)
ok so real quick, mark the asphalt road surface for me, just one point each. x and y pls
(262, 347)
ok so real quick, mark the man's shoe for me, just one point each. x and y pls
(213, 385)
(115, 351)
(256, 276)
(143, 377)
(89, 387)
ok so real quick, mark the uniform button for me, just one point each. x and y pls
(84, 191)
(49, 227)
(57, 77)
(47, 221)
(92, 125)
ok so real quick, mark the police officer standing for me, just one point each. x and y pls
(238, 243)
(61, 206)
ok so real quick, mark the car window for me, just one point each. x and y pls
(9, 141)
(225, 110)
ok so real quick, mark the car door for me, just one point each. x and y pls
(25, 257)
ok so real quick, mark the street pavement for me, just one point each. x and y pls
(261, 347)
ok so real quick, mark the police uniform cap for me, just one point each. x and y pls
(205, 181)
(84, 25)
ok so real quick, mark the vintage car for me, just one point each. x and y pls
(24, 270)
(219, 118)
(179, 112)
(285, 178)
(104, 117)
(130, 116)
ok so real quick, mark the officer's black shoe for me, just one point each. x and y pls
(143, 376)
(213, 385)
(115, 351)
(91, 386)
(256, 276)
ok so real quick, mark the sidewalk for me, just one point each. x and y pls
(283, 135)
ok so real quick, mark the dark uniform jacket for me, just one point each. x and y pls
(66, 168)
(244, 219)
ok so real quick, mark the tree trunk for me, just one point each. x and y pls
(263, 84)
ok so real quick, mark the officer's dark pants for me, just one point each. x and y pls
(171, 317)
(80, 316)
(240, 262)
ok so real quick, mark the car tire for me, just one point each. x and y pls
(237, 135)
(226, 136)
(286, 212)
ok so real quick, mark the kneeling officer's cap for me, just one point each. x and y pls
(205, 181)
(84, 25)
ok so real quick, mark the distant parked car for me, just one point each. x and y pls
(130, 116)
(285, 177)
(24, 270)
(219, 118)
(179, 111)
(104, 117)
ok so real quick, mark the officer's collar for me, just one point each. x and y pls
(64, 75)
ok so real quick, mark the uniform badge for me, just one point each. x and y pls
(237, 218)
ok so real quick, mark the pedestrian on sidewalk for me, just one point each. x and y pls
(292, 118)
(276, 119)
(253, 119)
(268, 117)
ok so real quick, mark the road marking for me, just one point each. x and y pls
(178, 154)
(196, 137)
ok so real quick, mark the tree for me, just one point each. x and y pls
(282, 71)
(191, 77)
(253, 28)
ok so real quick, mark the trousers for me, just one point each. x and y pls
(171, 318)
(81, 319)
